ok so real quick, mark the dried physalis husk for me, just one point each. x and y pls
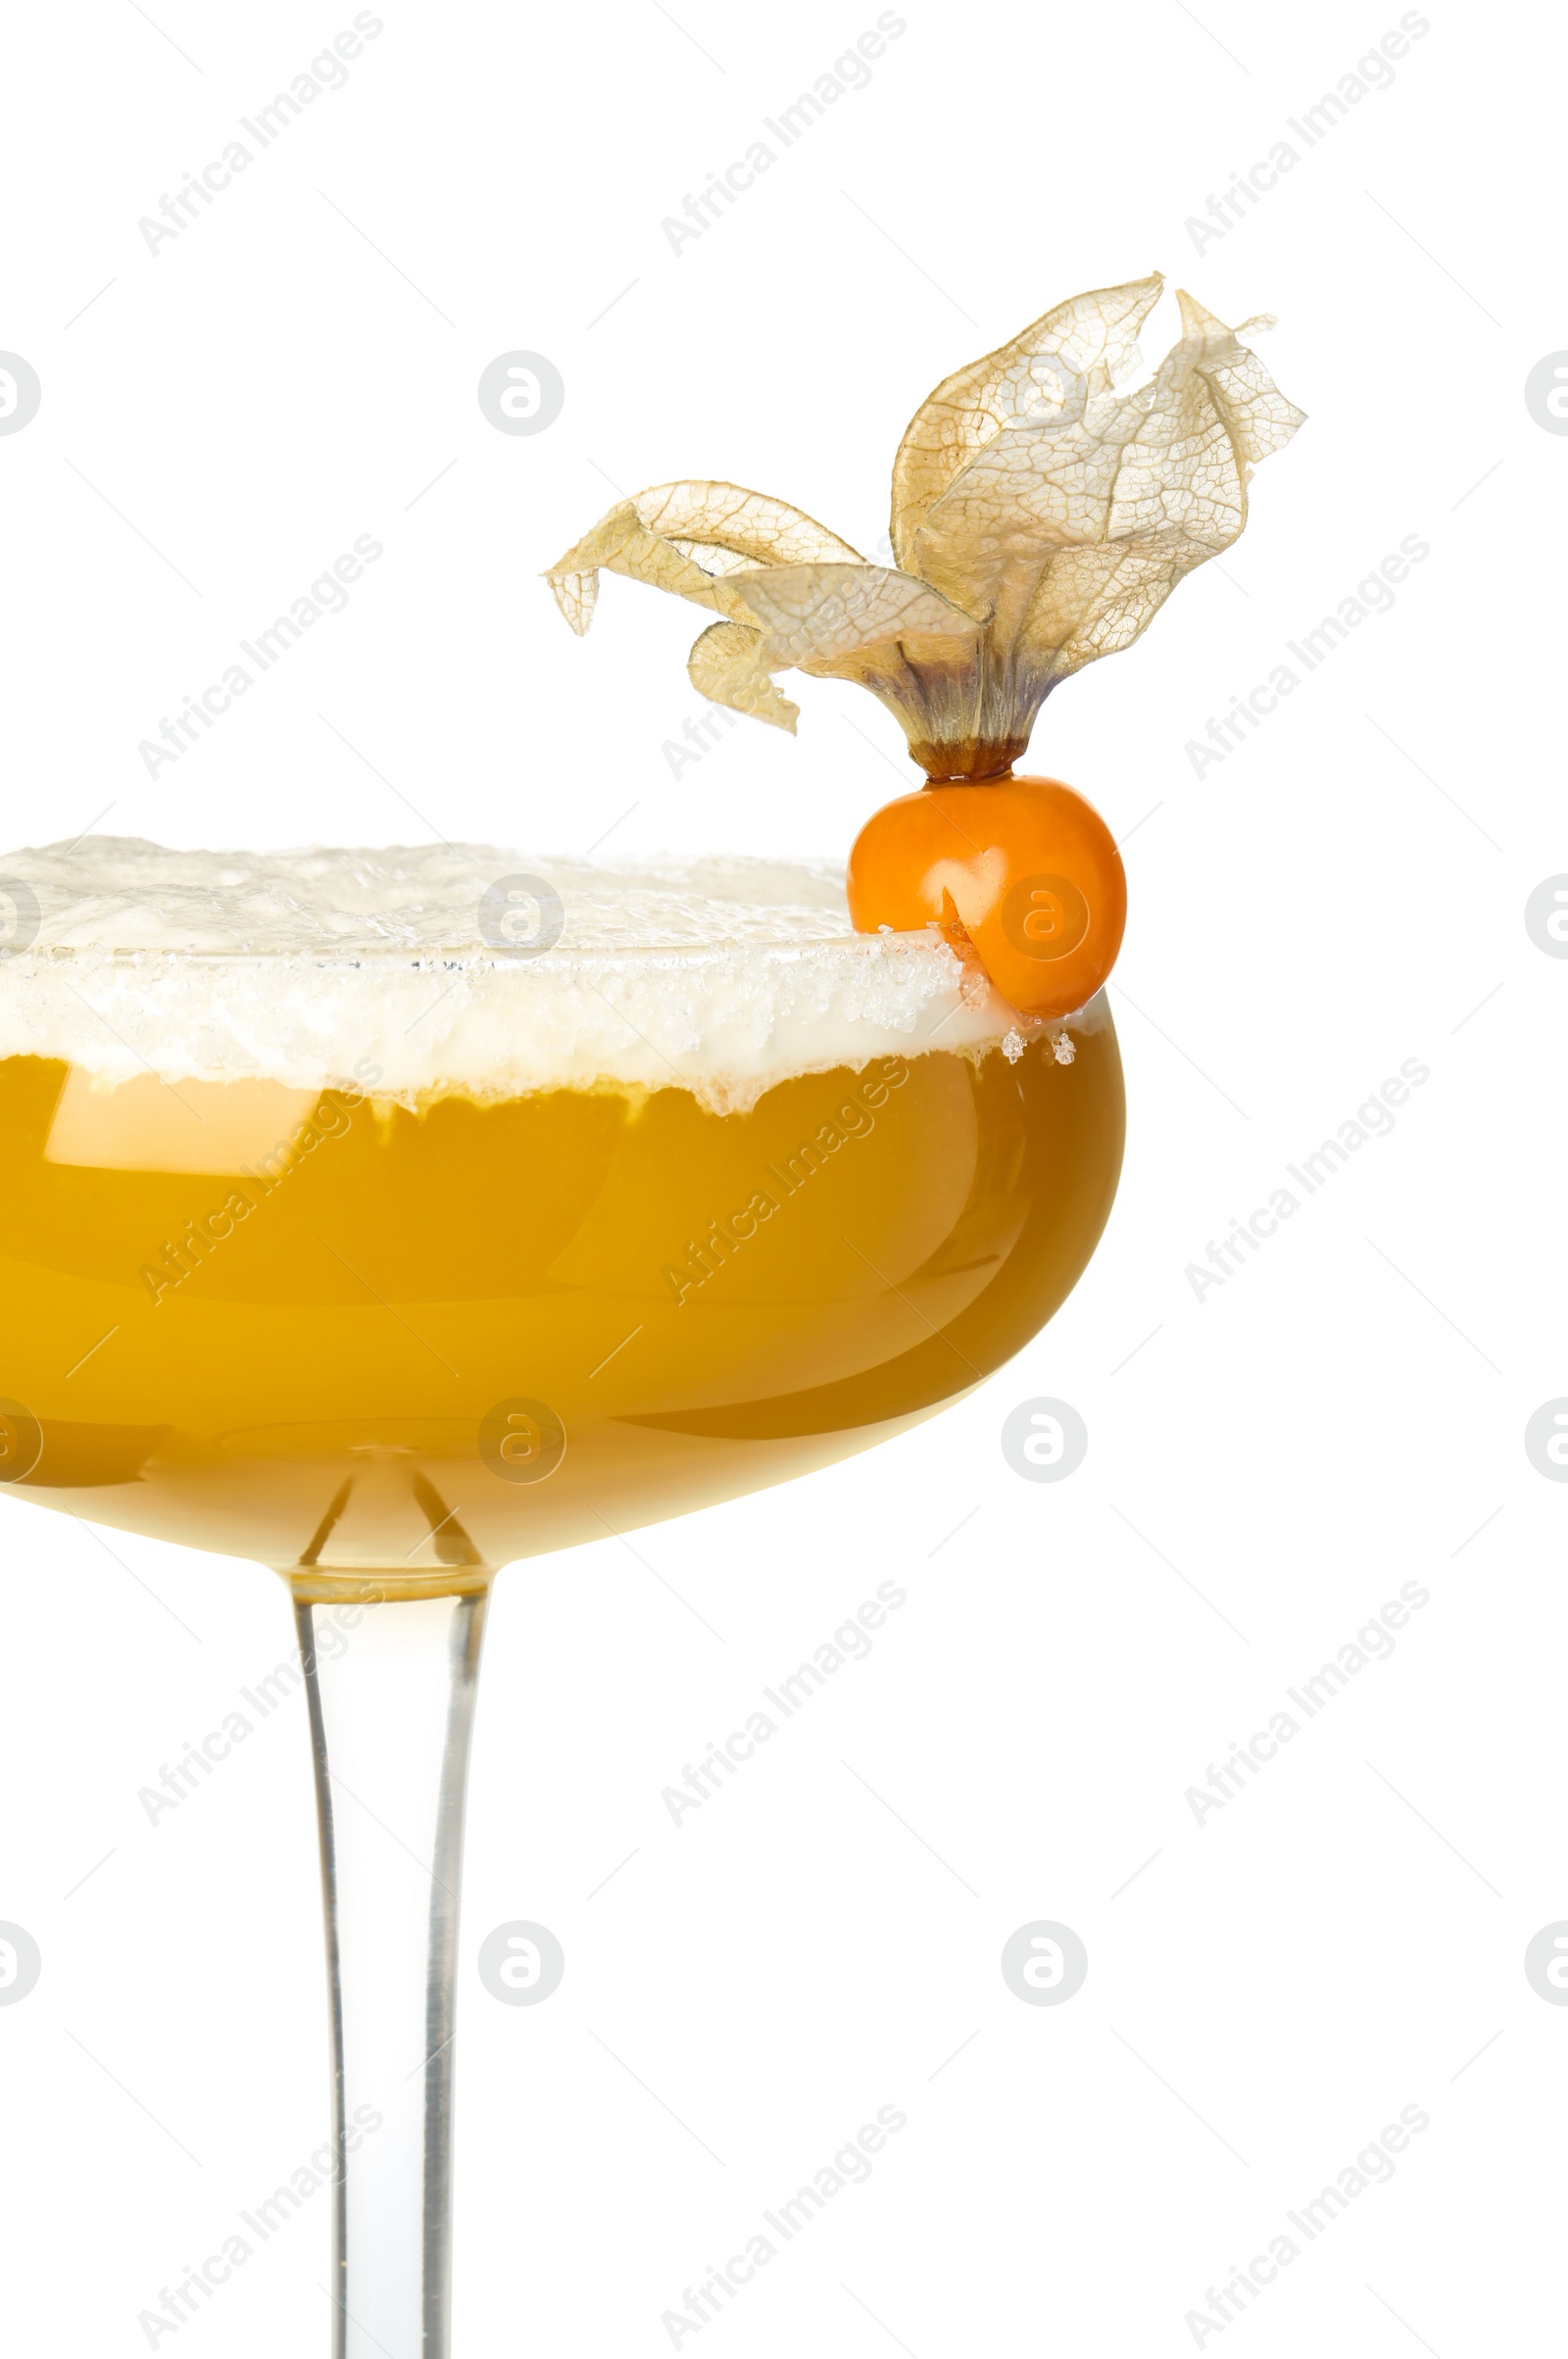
(1040, 520)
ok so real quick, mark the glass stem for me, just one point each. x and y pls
(391, 1703)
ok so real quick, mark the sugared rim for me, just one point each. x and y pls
(559, 960)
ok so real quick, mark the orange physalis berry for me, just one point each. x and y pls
(1024, 867)
(1026, 543)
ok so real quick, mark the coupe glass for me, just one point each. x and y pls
(413, 1247)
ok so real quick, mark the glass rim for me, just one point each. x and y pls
(559, 960)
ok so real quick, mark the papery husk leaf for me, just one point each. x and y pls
(750, 526)
(1075, 351)
(1040, 518)
(726, 666)
(839, 622)
(576, 595)
(1258, 416)
(814, 615)
(1075, 536)
(619, 543)
(884, 630)
(574, 578)
(687, 538)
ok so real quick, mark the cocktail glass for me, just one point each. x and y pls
(418, 1244)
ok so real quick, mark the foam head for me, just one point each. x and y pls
(425, 971)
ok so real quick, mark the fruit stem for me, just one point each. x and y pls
(970, 761)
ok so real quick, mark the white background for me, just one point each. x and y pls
(1265, 1467)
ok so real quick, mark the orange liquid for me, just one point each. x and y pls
(362, 1343)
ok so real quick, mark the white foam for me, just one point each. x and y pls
(315, 967)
